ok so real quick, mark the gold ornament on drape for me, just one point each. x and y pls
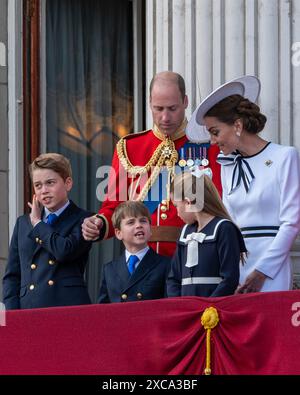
(209, 320)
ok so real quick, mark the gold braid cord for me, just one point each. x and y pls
(164, 155)
(209, 320)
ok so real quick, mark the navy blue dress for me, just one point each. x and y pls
(217, 270)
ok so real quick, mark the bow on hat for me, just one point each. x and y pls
(241, 171)
(192, 241)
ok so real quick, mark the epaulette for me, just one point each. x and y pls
(130, 135)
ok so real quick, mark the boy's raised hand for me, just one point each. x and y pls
(36, 210)
(91, 228)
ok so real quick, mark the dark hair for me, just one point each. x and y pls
(236, 107)
(129, 209)
(53, 161)
(171, 77)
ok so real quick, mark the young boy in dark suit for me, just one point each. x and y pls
(48, 255)
(139, 273)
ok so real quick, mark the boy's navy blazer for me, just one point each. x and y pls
(148, 281)
(46, 263)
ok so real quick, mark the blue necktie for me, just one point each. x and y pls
(51, 218)
(132, 261)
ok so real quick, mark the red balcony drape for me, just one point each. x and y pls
(257, 334)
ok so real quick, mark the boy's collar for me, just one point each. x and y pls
(140, 254)
(57, 212)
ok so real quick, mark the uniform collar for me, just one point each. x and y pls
(180, 132)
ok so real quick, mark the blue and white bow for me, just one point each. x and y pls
(241, 171)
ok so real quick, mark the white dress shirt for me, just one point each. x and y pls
(140, 254)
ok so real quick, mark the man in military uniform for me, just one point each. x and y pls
(140, 158)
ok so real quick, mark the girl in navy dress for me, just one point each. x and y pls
(210, 247)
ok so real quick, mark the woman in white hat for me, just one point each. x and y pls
(260, 180)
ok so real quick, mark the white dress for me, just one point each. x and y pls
(269, 213)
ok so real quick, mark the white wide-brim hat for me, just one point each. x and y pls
(247, 86)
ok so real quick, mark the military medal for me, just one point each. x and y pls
(190, 162)
(182, 163)
(193, 155)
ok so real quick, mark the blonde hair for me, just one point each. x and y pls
(129, 209)
(53, 161)
(188, 186)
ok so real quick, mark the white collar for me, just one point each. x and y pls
(57, 212)
(140, 254)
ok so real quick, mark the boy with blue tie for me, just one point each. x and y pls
(139, 273)
(48, 255)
